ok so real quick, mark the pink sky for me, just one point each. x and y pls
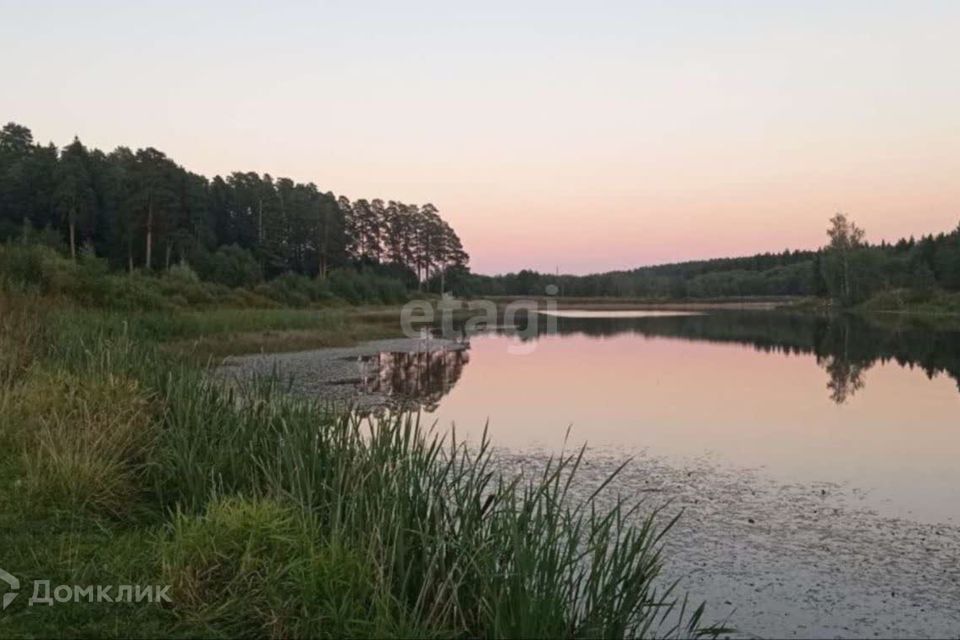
(553, 135)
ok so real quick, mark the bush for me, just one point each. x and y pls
(182, 272)
(231, 266)
(366, 287)
(135, 292)
(23, 266)
(295, 290)
(225, 273)
(246, 299)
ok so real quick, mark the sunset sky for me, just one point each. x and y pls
(585, 136)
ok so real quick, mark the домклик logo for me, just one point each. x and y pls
(14, 585)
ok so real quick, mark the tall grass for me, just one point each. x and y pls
(281, 518)
(21, 334)
(201, 335)
(159, 326)
(447, 540)
(86, 441)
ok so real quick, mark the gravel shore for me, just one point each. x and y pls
(334, 374)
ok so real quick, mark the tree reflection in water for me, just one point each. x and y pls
(845, 345)
(416, 380)
(846, 378)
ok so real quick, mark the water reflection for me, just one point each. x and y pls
(805, 398)
(846, 378)
(412, 380)
(845, 346)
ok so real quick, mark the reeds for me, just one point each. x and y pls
(279, 517)
(454, 545)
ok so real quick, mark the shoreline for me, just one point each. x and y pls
(331, 374)
(783, 560)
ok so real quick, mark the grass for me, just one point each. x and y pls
(270, 516)
(331, 330)
(202, 335)
(252, 567)
(20, 335)
(85, 440)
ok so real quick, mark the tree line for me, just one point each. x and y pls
(848, 269)
(141, 210)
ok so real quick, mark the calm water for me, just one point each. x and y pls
(873, 406)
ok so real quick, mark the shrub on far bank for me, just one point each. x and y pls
(228, 278)
(914, 300)
(230, 265)
(365, 286)
(295, 290)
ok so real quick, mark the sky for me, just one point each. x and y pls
(581, 136)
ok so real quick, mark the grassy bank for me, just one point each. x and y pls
(621, 303)
(271, 516)
(215, 333)
(902, 301)
(913, 302)
(934, 307)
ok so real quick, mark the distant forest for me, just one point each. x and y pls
(848, 269)
(141, 210)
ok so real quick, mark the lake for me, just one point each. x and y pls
(873, 405)
(813, 459)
